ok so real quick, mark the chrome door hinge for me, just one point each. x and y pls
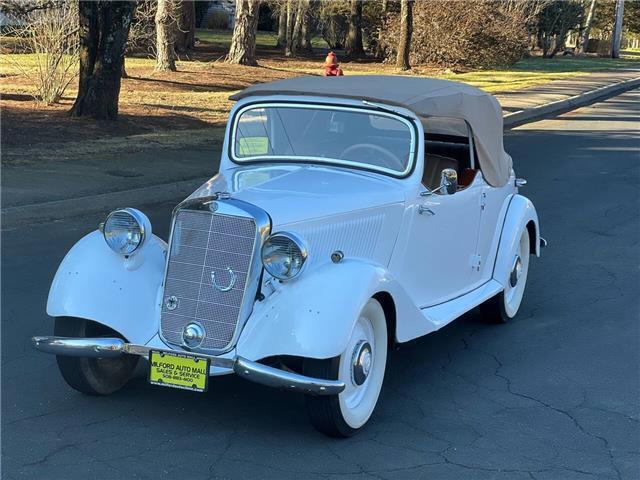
(475, 261)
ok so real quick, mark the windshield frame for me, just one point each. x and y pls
(408, 121)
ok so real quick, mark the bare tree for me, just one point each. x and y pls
(282, 24)
(379, 50)
(353, 45)
(186, 26)
(51, 34)
(406, 29)
(104, 27)
(616, 37)
(243, 42)
(165, 36)
(288, 47)
(305, 34)
(296, 40)
(584, 38)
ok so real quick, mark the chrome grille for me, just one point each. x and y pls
(208, 247)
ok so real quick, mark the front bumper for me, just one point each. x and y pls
(248, 369)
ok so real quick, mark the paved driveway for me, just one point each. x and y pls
(552, 395)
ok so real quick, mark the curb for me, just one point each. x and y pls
(58, 209)
(174, 191)
(528, 115)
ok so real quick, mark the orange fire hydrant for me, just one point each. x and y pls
(331, 66)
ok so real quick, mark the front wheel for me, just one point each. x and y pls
(361, 367)
(504, 306)
(92, 376)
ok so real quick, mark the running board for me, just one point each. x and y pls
(444, 313)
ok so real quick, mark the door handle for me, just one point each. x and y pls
(423, 209)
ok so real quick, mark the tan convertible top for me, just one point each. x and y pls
(424, 96)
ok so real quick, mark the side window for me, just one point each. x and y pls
(448, 144)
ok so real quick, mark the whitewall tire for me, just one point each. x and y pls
(504, 306)
(361, 367)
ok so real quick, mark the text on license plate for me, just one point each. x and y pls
(177, 370)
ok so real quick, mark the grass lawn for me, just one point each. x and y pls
(222, 38)
(196, 96)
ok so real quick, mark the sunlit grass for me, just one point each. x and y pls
(222, 38)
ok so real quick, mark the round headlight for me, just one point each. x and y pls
(126, 230)
(283, 255)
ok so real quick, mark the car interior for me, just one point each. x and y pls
(447, 145)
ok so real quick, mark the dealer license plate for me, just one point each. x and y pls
(177, 370)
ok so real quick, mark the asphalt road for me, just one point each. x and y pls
(552, 395)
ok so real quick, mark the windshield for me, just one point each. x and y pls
(325, 134)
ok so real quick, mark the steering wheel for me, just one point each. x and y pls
(389, 159)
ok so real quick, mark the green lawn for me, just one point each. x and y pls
(578, 64)
(222, 38)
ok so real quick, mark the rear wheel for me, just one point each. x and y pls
(504, 306)
(361, 367)
(92, 376)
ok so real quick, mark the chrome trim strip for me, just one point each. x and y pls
(80, 347)
(324, 160)
(231, 207)
(273, 377)
(247, 369)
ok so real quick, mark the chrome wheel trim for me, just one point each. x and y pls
(358, 401)
(513, 293)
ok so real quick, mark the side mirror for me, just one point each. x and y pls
(448, 181)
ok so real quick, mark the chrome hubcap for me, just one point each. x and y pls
(361, 364)
(516, 272)
(192, 335)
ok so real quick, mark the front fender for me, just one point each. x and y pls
(95, 283)
(521, 214)
(313, 316)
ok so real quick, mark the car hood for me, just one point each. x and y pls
(292, 193)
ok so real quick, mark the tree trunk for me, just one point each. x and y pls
(243, 42)
(289, 34)
(353, 45)
(406, 29)
(379, 50)
(186, 31)
(616, 36)
(296, 40)
(282, 25)
(103, 27)
(584, 39)
(165, 36)
(305, 38)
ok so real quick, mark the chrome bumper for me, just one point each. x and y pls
(248, 369)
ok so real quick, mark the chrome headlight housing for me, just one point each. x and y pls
(283, 255)
(126, 230)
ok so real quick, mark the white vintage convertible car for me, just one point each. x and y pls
(349, 214)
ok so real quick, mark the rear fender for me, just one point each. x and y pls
(95, 283)
(313, 316)
(521, 216)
